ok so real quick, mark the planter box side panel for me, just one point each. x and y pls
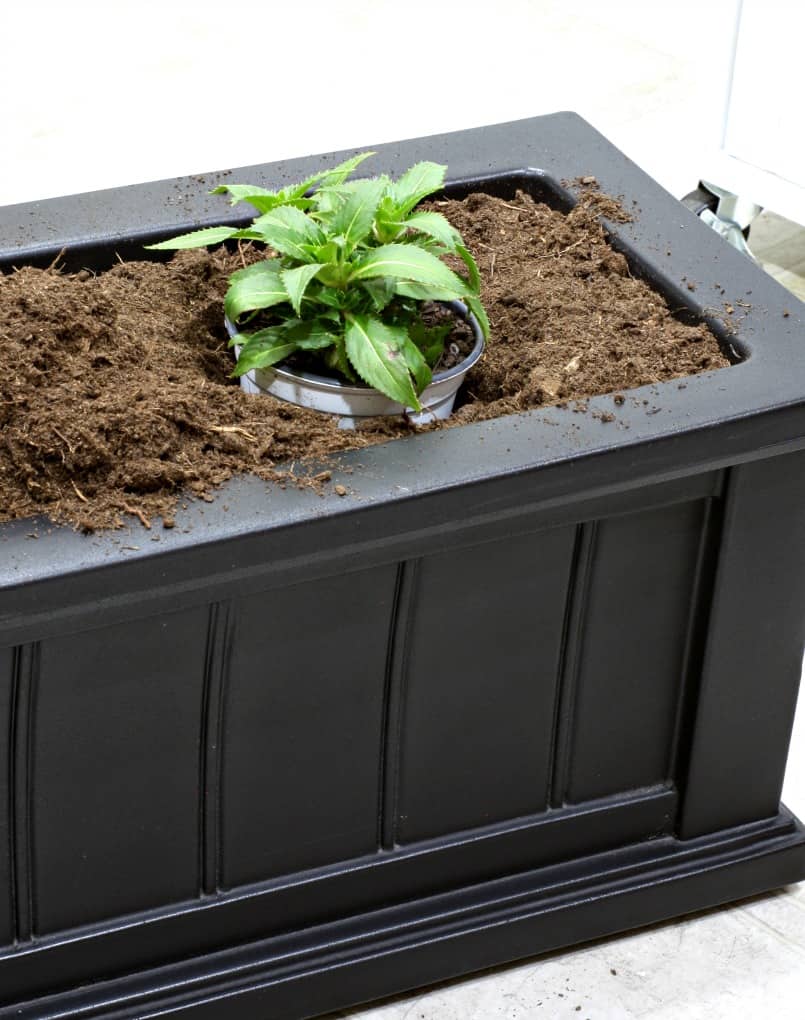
(301, 729)
(112, 771)
(753, 661)
(160, 762)
(477, 665)
(633, 653)
(513, 675)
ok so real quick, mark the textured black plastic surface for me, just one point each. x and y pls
(547, 694)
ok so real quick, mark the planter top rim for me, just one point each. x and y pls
(668, 429)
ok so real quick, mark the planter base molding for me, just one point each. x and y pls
(431, 939)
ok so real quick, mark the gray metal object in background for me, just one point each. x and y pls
(728, 215)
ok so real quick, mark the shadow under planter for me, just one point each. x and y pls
(547, 696)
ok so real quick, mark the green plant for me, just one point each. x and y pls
(350, 266)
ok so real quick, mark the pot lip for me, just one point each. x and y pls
(324, 382)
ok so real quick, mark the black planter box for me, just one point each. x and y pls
(548, 694)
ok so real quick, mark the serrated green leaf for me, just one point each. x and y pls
(342, 171)
(407, 262)
(310, 334)
(257, 286)
(262, 349)
(287, 229)
(332, 298)
(416, 363)
(336, 358)
(386, 225)
(324, 253)
(434, 225)
(296, 282)
(375, 352)
(472, 268)
(276, 343)
(353, 220)
(425, 292)
(426, 243)
(196, 239)
(380, 291)
(261, 198)
(417, 183)
(430, 339)
(478, 310)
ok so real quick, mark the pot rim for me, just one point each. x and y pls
(324, 382)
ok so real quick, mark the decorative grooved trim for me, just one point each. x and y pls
(581, 568)
(710, 540)
(402, 615)
(216, 674)
(25, 673)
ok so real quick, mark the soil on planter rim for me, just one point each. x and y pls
(115, 389)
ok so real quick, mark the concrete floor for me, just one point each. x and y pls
(780, 247)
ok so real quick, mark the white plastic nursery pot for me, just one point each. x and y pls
(355, 401)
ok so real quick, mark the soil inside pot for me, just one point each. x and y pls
(116, 396)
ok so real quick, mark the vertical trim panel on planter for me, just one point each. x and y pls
(481, 661)
(631, 660)
(216, 668)
(753, 659)
(578, 590)
(115, 806)
(23, 694)
(393, 714)
(7, 659)
(303, 718)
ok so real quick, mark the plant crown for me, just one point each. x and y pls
(351, 263)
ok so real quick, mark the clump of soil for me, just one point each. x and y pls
(568, 319)
(115, 389)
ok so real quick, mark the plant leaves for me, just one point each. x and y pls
(478, 310)
(339, 173)
(287, 229)
(415, 184)
(380, 291)
(309, 334)
(375, 351)
(354, 218)
(196, 239)
(337, 359)
(257, 286)
(332, 298)
(472, 268)
(408, 262)
(264, 348)
(296, 282)
(323, 253)
(425, 292)
(273, 344)
(434, 225)
(417, 365)
(261, 198)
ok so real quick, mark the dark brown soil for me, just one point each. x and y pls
(116, 398)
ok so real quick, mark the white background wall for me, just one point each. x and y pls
(99, 94)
